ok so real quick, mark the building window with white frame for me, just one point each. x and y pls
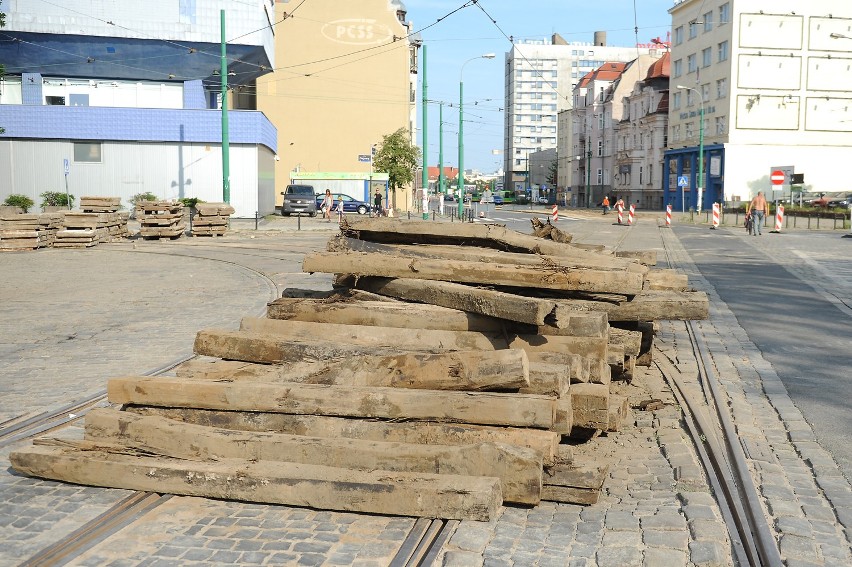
(600, 176)
(708, 22)
(724, 13)
(600, 148)
(706, 56)
(677, 68)
(723, 51)
(87, 152)
(678, 35)
(720, 125)
(676, 100)
(690, 63)
(689, 97)
(705, 92)
(693, 30)
(722, 88)
(690, 130)
(676, 133)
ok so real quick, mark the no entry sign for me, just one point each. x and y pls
(777, 177)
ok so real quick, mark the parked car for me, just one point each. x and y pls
(841, 202)
(350, 204)
(542, 200)
(299, 199)
(498, 199)
(449, 197)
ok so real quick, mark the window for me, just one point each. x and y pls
(54, 100)
(723, 51)
(678, 35)
(677, 68)
(675, 133)
(690, 129)
(722, 88)
(706, 57)
(693, 30)
(600, 148)
(720, 125)
(601, 121)
(87, 152)
(708, 21)
(690, 63)
(640, 175)
(600, 176)
(705, 92)
(689, 97)
(80, 99)
(724, 13)
(676, 100)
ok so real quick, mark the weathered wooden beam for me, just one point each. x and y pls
(572, 257)
(459, 370)
(422, 432)
(644, 257)
(590, 403)
(419, 339)
(518, 469)
(647, 306)
(476, 302)
(666, 280)
(292, 484)
(518, 410)
(630, 340)
(514, 275)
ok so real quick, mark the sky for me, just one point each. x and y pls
(455, 31)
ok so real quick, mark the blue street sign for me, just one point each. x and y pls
(683, 181)
(364, 157)
(66, 166)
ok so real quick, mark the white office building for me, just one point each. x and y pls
(771, 79)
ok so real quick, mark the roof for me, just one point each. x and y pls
(660, 69)
(609, 71)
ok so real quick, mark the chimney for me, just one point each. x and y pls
(557, 39)
(600, 38)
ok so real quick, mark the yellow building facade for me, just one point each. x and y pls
(345, 75)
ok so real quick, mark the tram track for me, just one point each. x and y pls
(710, 426)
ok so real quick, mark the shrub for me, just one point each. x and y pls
(21, 201)
(56, 199)
(190, 202)
(139, 197)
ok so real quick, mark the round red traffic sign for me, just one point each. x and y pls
(777, 177)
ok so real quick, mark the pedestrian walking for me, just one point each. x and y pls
(326, 205)
(757, 209)
(605, 205)
(377, 203)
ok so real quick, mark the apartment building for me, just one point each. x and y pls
(772, 81)
(598, 108)
(640, 138)
(345, 76)
(122, 98)
(540, 76)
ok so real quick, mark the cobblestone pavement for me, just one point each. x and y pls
(132, 311)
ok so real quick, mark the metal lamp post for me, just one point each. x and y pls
(461, 129)
(700, 181)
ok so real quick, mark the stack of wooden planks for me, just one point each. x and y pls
(160, 219)
(29, 231)
(211, 219)
(454, 367)
(118, 225)
(84, 230)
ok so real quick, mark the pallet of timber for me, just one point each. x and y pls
(211, 219)
(161, 219)
(575, 483)
(90, 204)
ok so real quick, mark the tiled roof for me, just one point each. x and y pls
(660, 69)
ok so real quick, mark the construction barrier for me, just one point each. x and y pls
(620, 213)
(631, 214)
(715, 215)
(668, 216)
(779, 218)
(555, 213)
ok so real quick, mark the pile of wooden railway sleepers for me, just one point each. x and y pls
(87, 229)
(160, 219)
(29, 231)
(211, 219)
(453, 368)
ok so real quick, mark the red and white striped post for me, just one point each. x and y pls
(715, 216)
(555, 213)
(631, 214)
(779, 218)
(620, 208)
(668, 216)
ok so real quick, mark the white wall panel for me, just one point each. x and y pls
(769, 72)
(833, 74)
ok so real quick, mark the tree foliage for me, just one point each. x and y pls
(397, 157)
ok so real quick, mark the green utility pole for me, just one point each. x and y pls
(425, 145)
(226, 165)
(588, 179)
(460, 183)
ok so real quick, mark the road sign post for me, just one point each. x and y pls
(66, 167)
(682, 182)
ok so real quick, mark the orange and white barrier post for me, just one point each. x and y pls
(631, 214)
(555, 213)
(668, 216)
(715, 215)
(779, 218)
(620, 213)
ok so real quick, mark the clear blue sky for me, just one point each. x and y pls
(463, 33)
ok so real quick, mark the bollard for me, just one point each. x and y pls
(779, 219)
(434, 214)
(620, 213)
(555, 213)
(715, 216)
(668, 216)
(298, 221)
(255, 219)
(630, 214)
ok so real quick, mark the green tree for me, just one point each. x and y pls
(398, 158)
(551, 173)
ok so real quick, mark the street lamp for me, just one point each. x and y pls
(700, 180)
(461, 129)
